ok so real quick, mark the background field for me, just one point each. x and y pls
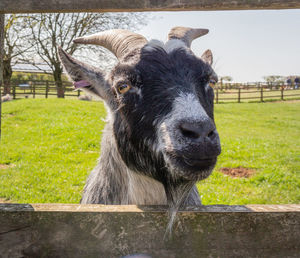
(49, 146)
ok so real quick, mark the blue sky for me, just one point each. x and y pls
(247, 45)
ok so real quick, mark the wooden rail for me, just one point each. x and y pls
(114, 231)
(71, 230)
(33, 6)
(230, 92)
(258, 93)
(35, 88)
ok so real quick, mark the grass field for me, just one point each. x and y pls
(49, 146)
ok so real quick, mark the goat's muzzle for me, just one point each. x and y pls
(197, 157)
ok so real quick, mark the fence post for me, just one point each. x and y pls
(14, 90)
(261, 94)
(239, 95)
(47, 89)
(217, 95)
(2, 16)
(282, 89)
(33, 85)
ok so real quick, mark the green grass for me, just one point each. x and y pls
(50, 146)
(263, 136)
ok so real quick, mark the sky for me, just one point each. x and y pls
(246, 45)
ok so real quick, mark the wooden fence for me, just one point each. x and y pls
(258, 92)
(44, 89)
(37, 6)
(74, 230)
(230, 92)
(225, 232)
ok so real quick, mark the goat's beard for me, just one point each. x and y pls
(180, 169)
(177, 192)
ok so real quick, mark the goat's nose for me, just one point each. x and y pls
(195, 130)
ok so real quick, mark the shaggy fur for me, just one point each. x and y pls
(160, 138)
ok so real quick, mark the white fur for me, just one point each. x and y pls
(139, 92)
(85, 97)
(134, 188)
(170, 45)
(144, 190)
(153, 44)
(174, 44)
(188, 107)
(7, 97)
(185, 107)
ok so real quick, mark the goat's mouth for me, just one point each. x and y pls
(191, 168)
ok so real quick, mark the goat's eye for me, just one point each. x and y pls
(123, 88)
(212, 83)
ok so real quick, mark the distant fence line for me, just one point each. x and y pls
(225, 92)
(38, 88)
(256, 92)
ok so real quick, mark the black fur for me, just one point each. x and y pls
(157, 79)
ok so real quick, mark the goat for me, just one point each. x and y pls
(85, 98)
(7, 97)
(160, 138)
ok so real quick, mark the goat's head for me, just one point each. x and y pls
(160, 101)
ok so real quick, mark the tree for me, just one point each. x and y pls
(225, 78)
(274, 79)
(15, 45)
(52, 30)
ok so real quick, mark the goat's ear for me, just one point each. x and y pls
(85, 77)
(207, 57)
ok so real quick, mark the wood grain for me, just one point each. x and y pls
(33, 6)
(71, 230)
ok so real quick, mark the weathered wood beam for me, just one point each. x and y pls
(70, 207)
(1, 63)
(34, 6)
(71, 230)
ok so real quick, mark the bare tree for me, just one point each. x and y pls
(15, 45)
(52, 30)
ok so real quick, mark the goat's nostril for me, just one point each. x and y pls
(211, 134)
(189, 130)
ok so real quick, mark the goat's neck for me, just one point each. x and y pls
(112, 182)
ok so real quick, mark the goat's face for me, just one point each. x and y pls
(160, 101)
(165, 113)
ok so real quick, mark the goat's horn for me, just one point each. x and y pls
(119, 42)
(187, 35)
